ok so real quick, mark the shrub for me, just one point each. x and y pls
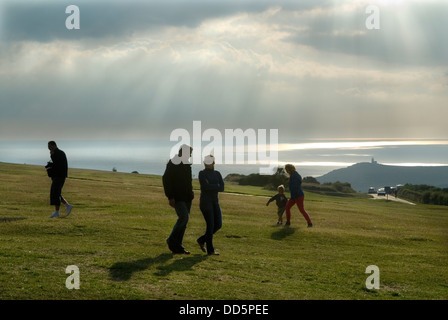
(310, 180)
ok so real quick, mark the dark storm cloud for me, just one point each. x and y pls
(45, 21)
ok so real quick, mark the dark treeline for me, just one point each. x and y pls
(424, 194)
(271, 182)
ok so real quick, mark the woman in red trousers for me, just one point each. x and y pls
(297, 195)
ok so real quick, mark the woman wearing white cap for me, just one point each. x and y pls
(211, 183)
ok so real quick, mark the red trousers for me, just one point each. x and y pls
(299, 202)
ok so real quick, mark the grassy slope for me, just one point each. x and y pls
(116, 236)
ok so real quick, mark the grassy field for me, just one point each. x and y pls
(117, 230)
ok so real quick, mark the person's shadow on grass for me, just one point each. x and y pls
(183, 264)
(282, 233)
(122, 271)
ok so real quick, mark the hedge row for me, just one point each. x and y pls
(424, 194)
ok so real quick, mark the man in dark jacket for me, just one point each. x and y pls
(178, 186)
(58, 173)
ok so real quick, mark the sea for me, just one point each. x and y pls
(311, 158)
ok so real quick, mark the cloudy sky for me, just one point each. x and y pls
(140, 69)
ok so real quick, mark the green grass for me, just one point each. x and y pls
(116, 236)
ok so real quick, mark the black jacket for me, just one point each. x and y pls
(60, 165)
(280, 200)
(211, 183)
(177, 181)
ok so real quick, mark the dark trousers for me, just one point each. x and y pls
(177, 234)
(213, 218)
(56, 190)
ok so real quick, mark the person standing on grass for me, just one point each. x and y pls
(281, 201)
(297, 195)
(58, 173)
(178, 187)
(211, 183)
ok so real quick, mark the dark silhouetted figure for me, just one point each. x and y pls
(178, 186)
(211, 183)
(57, 170)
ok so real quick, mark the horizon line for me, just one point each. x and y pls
(359, 145)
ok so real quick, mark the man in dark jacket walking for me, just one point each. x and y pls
(178, 186)
(58, 172)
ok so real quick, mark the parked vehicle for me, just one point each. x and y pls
(372, 190)
(381, 192)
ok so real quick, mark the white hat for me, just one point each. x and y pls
(210, 159)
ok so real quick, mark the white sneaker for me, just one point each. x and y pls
(69, 208)
(55, 214)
